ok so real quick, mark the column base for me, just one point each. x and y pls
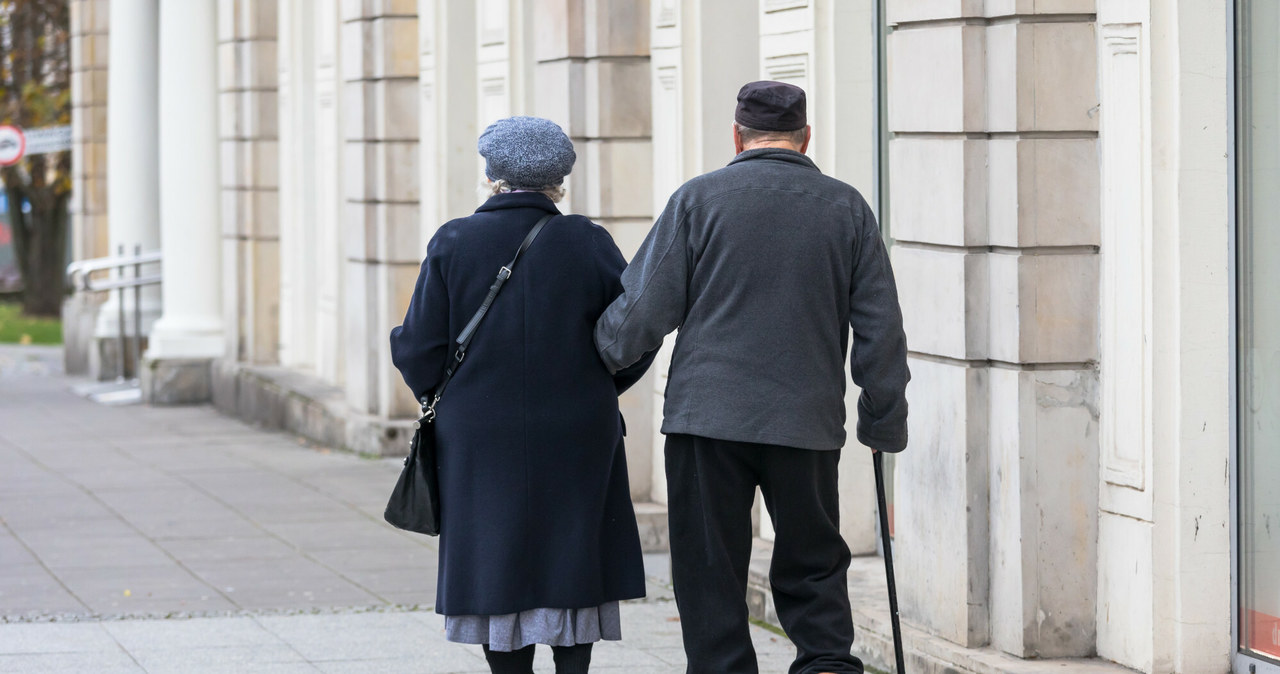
(177, 381)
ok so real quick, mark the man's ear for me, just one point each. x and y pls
(737, 140)
(808, 135)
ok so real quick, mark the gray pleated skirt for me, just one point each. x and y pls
(550, 626)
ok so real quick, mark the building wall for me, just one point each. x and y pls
(312, 195)
(994, 191)
(248, 119)
(1164, 521)
(379, 71)
(88, 207)
(1057, 182)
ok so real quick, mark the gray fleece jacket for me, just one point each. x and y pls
(764, 265)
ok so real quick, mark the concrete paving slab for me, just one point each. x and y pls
(124, 477)
(138, 590)
(220, 549)
(364, 636)
(33, 592)
(62, 638)
(359, 533)
(277, 549)
(276, 657)
(400, 554)
(135, 635)
(70, 549)
(381, 666)
(278, 582)
(108, 662)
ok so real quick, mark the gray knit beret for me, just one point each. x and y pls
(527, 152)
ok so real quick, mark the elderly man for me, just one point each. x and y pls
(764, 265)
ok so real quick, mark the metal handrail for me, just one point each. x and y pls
(116, 284)
(83, 269)
(87, 267)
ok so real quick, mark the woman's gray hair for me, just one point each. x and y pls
(491, 187)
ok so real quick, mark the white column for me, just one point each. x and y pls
(132, 146)
(191, 326)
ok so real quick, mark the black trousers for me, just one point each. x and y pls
(568, 659)
(710, 489)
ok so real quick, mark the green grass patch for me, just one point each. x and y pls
(15, 328)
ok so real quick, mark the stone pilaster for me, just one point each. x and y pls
(247, 131)
(450, 168)
(994, 192)
(88, 207)
(380, 159)
(591, 75)
(1164, 574)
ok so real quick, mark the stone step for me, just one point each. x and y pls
(925, 653)
(652, 520)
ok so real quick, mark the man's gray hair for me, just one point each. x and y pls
(752, 136)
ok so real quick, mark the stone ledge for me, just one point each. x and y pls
(279, 398)
(652, 521)
(925, 653)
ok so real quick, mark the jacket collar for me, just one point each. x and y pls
(777, 154)
(507, 200)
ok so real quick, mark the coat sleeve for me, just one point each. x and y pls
(655, 294)
(611, 264)
(878, 359)
(421, 343)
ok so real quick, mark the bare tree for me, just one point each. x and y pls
(35, 91)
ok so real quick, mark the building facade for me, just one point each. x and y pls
(1064, 184)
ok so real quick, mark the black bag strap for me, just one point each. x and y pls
(469, 332)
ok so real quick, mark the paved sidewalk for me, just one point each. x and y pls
(147, 539)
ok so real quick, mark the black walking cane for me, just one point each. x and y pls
(877, 458)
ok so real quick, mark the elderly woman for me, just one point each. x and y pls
(538, 541)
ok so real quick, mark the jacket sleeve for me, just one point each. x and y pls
(878, 359)
(654, 297)
(421, 343)
(611, 264)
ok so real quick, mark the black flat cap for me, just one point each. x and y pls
(771, 106)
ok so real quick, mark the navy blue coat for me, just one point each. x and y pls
(534, 499)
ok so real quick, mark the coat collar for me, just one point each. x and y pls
(778, 154)
(507, 200)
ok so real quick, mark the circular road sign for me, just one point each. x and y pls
(13, 144)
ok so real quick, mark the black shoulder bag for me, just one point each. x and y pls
(415, 501)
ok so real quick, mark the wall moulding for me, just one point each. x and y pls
(1127, 280)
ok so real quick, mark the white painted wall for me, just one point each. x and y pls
(1163, 561)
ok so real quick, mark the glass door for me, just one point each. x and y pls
(1257, 460)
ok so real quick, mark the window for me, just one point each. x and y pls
(1257, 521)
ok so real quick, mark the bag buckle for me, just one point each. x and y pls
(428, 412)
(504, 273)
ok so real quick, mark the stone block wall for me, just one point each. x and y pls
(248, 122)
(87, 210)
(88, 207)
(380, 161)
(994, 191)
(591, 64)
